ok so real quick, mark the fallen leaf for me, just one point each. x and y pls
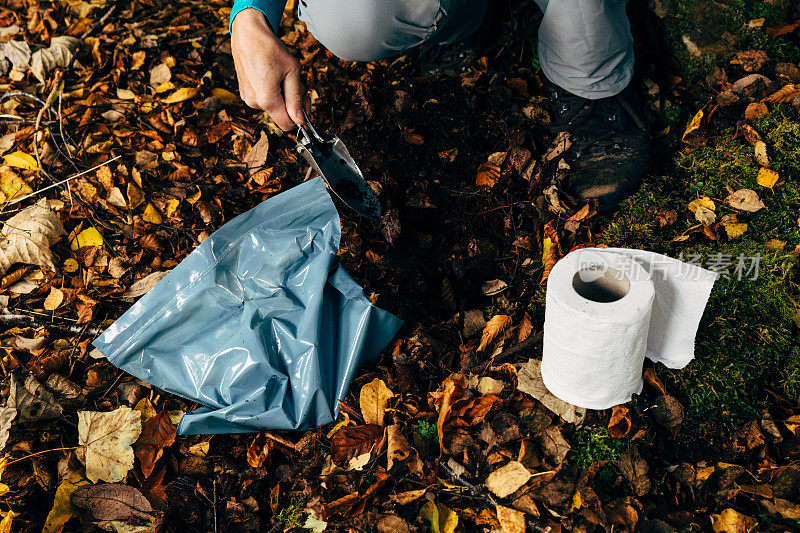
(12, 185)
(704, 215)
(441, 518)
(28, 235)
(511, 520)
(391, 524)
(731, 521)
(493, 287)
(160, 74)
(507, 479)
(352, 441)
(256, 158)
(225, 96)
(63, 509)
(554, 445)
(181, 95)
(142, 286)
(404, 498)
(373, 399)
(88, 237)
(18, 53)
(750, 134)
(496, 325)
(530, 382)
(786, 94)
(157, 434)
(54, 299)
(487, 175)
(550, 251)
(788, 510)
(767, 178)
(258, 451)
(635, 470)
(32, 401)
(152, 215)
(113, 501)
(735, 229)
(21, 160)
(561, 144)
(105, 441)
(620, 423)
(752, 60)
(760, 152)
(694, 125)
(755, 110)
(7, 415)
(59, 54)
(745, 200)
(5, 523)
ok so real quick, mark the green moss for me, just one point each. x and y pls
(427, 431)
(592, 445)
(294, 515)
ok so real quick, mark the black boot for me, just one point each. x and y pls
(610, 151)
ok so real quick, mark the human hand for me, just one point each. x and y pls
(269, 76)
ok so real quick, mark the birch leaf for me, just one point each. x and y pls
(63, 509)
(58, 54)
(105, 441)
(27, 237)
(373, 399)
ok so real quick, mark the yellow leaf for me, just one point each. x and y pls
(200, 449)
(164, 87)
(181, 95)
(730, 521)
(12, 185)
(493, 328)
(694, 125)
(703, 201)
(172, 206)
(62, 506)
(225, 96)
(151, 215)
(441, 518)
(21, 160)
(511, 520)
(339, 425)
(792, 423)
(53, 299)
(373, 399)
(767, 178)
(735, 229)
(70, 266)
(145, 406)
(125, 94)
(88, 237)
(5, 523)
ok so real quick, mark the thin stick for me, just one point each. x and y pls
(29, 321)
(48, 102)
(62, 182)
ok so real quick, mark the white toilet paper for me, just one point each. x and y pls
(606, 309)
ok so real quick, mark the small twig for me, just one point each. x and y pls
(99, 23)
(29, 321)
(62, 182)
(215, 506)
(47, 103)
(528, 343)
(281, 440)
(476, 492)
(350, 411)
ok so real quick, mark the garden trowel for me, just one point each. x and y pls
(330, 158)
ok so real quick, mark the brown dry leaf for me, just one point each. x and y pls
(731, 521)
(404, 498)
(113, 501)
(554, 445)
(58, 54)
(54, 299)
(449, 388)
(258, 451)
(373, 399)
(694, 125)
(786, 94)
(745, 200)
(635, 470)
(487, 175)
(135, 196)
(530, 382)
(574, 222)
(142, 286)
(782, 30)
(755, 110)
(750, 134)
(561, 144)
(353, 441)
(620, 423)
(5, 523)
(511, 520)
(157, 434)
(256, 157)
(788, 510)
(496, 325)
(181, 95)
(506, 480)
(752, 60)
(767, 178)
(27, 236)
(525, 328)
(105, 441)
(551, 252)
(760, 152)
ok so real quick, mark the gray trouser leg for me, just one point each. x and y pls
(369, 30)
(586, 47)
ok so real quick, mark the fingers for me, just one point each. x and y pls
(293, 92)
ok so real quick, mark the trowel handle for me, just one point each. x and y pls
(314, 135)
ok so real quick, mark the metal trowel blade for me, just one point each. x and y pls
(330, 158)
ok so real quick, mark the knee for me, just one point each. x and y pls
(365, 30)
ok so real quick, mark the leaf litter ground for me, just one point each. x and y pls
(450, 429)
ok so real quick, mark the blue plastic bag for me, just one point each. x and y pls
(259, 324)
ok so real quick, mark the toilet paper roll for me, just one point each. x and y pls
(606, 310)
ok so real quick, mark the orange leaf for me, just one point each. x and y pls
(694, 125)
(525, 328)
(493, 328)
(258, 451)
(487, 175)
(550, 250)
(620, 423)
(157, 434)
(786, 94)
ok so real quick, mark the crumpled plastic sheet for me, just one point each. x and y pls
(259, 324)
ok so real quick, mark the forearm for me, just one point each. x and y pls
(272, 10)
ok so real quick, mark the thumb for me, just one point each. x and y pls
(293, 92)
